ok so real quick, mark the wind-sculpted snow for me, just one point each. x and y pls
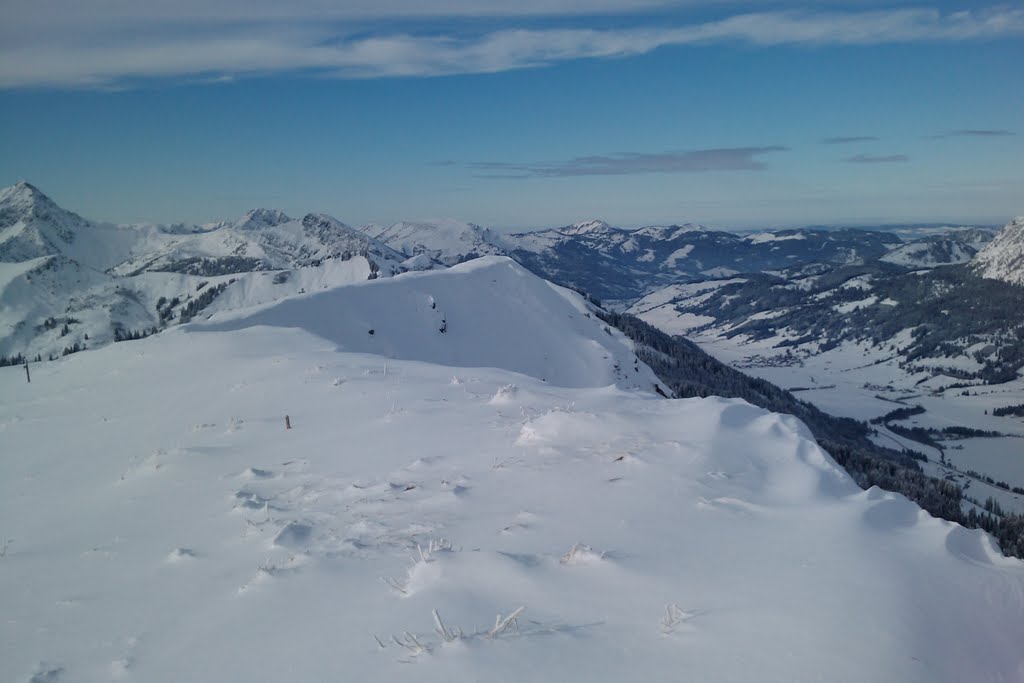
(490, 312)
(159, 522)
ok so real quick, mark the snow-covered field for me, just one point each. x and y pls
(158, 522)
(865, 382)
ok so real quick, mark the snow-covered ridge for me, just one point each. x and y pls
(451, 523)
(931, 253)
(1003, 257)
(445, 241)
(104, 280)
(67, 283)
(489, 312)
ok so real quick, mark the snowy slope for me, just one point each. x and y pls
(263, 239)
(446, 241)
(1003, 257)
(493, 313)
(68, 283)
(33, 226)
(159, 523)
(930, 253)
(624, 265)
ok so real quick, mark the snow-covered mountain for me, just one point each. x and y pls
(620, 264)
(32, 226)
(445, 241)
(1003, 258)
(160, 521)
(936, 251)
(470, 315)
(67, 283)
(262, 239)
(623, 264)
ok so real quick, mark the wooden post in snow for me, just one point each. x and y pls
(287, 422)
(28, 375)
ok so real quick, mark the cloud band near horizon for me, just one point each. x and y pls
(631, 163)
(877, 159)
(110, 55)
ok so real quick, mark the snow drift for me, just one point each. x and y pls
(489, 312)
(429, 522)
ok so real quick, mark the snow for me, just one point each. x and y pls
(1003, 257)
(763, 237)
(678, 254)
(166, 526)
(406, 314)
(33, 226)
(929, 253)
(851, 306)
(861, 282)
(332, 478)
(671, 293)
(585, 227)
(446, 240)
(253, 289)
(659, 307)
(719, 272)
(266, 235)
(57, 266)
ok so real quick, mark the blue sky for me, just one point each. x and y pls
(733, 114)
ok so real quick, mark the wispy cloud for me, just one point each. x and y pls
(973, 133)
(73, 43)
(845, 140)
(877, 159)
(631, 163)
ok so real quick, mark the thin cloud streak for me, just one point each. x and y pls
(106, 55)
(841, 140)
(972, 133)
(877, 159)
(633, 163)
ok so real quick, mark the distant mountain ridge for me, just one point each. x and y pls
(445, 241)
(68, 283)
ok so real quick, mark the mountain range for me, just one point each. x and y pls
(382, 452)
(68, 283)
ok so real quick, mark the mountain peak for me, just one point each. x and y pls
(24, 195)
(255, 219)
(1003, 257)
(322, 221)
(583, 227)
(26, 203)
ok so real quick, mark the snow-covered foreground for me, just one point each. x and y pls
(164, 525)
